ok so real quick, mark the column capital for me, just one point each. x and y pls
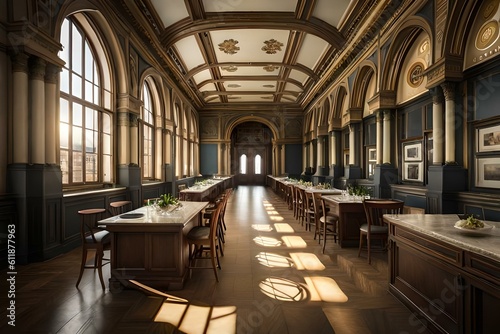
(449, 90)
(52, 73)
(37, 68)
(20, 62)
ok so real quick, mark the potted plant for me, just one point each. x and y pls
(167, 202)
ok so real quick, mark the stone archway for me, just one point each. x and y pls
(251, 152)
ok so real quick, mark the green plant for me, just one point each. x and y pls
(166, 200)
(356, 190)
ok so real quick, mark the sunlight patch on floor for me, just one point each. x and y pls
(284, 228)
(307, 261)
(262, 227)
(292, 241)
(325, 289)
(274, 260)
(267, 241)
(283, 289)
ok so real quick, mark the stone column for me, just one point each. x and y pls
(438, 137)
(123, 138)
(449, 129)
(352, 145)
(333, 148)
(20, 124)
(311, 154)
(386, 150)
(51, 113)
(134, 138)
(37, 106)
(380, 135)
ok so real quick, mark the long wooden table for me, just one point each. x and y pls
(207, 192)
(153, 249)
(351, 216)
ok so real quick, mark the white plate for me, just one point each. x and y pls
(475, 231)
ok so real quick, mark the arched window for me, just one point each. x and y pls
(85, 118)
(148, 131)
(243, 164)
(257, 164)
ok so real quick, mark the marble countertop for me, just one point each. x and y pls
(149, 216)
(441, 227)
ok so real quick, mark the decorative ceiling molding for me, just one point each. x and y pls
(272, 46)
(229, 46)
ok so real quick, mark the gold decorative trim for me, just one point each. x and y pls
(230, 68)
(270, 68)
(415, 76)
(490, 9)
(487, 35)
(272, 46)
(229, 46)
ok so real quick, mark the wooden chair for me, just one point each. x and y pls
(375, 228)
(329, 223)
(203, 244)
(119, 207)
(309, 212)
(93, 238)
(299, 197)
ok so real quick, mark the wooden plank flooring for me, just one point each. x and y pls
(267, 275)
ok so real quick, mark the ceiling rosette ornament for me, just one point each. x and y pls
(272, 46)
(229, 46)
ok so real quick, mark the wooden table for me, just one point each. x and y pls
(351, 216)
(208, 192)
(153, 249)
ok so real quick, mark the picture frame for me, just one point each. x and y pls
(488, 139)
(488, 172)
(412, 152)
(413, 171)
(372, 154)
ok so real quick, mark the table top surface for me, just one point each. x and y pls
(197, 188)
(147, 215)
(442, 226)
(342, 199)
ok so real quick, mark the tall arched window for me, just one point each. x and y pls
(258, 164)
(243, 164)
(148, 131)
(85, 118)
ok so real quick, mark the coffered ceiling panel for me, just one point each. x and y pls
(255, 54)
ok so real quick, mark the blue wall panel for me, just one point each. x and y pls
(208, 159)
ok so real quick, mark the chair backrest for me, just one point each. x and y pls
(215, 221)
(119, 207)
(376, 208)
(88, 223)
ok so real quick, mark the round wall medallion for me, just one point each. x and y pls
(487, 35)
(490, 9)
(415, 76)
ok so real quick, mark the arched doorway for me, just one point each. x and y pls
(251, 144)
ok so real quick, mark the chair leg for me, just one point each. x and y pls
(82, 266)
(360, 244)
(213, 258)
(324, 237)
(99, 255)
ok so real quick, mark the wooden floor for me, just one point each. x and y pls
(274, 276)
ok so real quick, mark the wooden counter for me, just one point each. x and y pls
(449, 277)
(152, 250)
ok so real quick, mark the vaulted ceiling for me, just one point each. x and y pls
(257, 54)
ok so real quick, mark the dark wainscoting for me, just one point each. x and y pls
(487, 206)
(414, 196)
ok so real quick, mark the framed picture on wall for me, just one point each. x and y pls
(412, 152)
(488, 172)
(372, 154)
(413, 171)
(488, 139)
